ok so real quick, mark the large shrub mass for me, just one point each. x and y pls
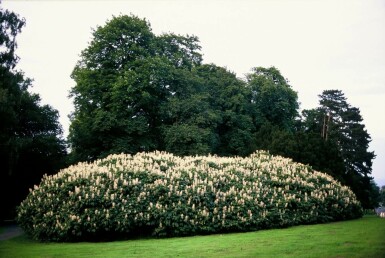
(164, 195)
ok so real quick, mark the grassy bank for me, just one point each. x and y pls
(356, 238)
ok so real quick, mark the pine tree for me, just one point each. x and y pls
(340, 123)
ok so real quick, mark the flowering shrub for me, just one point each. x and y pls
(164, 195)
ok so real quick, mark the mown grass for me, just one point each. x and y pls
(356, 238)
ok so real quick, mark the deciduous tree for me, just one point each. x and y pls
(31, 142)
(274, 100)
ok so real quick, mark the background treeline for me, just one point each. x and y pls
(31, 142)
(137, 91)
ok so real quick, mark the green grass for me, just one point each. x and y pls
(356, 238)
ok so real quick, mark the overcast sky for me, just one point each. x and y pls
(317, 45)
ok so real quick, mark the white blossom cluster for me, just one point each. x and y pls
(162, 194)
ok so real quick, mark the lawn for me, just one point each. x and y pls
(356, 238)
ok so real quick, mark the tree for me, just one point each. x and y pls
(274, 107)
(126, 80)
(111, 57)
(273, 99)
(229, 111)
(304, 147)
(31, 141)
(341, 124)
(374, 195)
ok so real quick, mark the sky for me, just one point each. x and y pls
(316, 45)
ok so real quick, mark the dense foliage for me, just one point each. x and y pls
(165, 195)
(137, 91)
(31, 143)
(341, 124)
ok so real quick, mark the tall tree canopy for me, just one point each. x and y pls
(30, 134)
(229, 100)
(338, 123)
(137, 91)
(123, 81)
(274, 100)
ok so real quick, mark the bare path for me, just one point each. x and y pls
(10, 231)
